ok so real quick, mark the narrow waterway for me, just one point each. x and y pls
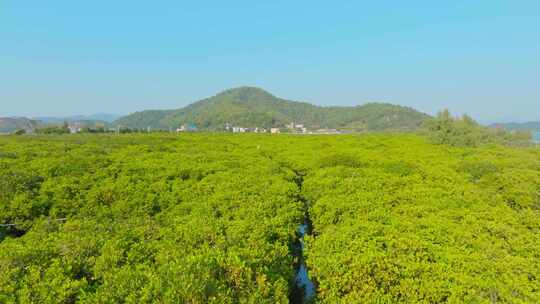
(303, 282)
(304, 290)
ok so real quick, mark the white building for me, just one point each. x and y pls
(74, 128)
(238, 130)
(260, 130)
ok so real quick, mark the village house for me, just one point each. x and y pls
(187, 128)
(238, 130)
(74, 128)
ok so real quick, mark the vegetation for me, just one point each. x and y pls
(399, 220)
(213, 218)
(254, 107)
(19, 132)
(144, 119)
(53, 129)
(144, 219)
(464, 131)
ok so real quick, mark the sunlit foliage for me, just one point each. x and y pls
(418, 223)
(212, 218)
(144, 219)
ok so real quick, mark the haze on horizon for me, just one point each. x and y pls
(64, 58)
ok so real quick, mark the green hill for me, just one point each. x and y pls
(143, 119)
(253, 107)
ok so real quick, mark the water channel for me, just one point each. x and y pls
(303, 282)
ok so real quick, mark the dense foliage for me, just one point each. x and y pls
(144, 219)
(254, 107)
(398, 220)
(465, 132)
(212, 218)
(53, 129)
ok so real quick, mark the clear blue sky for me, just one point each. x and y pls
(81, 57)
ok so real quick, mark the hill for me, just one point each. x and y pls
(143, 119)
(253, 107)
(11, 124)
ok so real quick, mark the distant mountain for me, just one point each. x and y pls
(107, 117)
(100, 117)
(253, 107)
(530, 126)
(11, 124)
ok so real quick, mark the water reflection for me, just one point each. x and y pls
(302, 277)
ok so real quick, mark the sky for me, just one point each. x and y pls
(64, 57)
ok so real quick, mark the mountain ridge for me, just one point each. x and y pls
(101, 117)
(29, 125)
(254, 107)
(11, 124)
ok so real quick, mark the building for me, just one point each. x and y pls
(327, 131)
(74, 127)
(187, 128)
(238, 130)
(259, 130)
(296, 128)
